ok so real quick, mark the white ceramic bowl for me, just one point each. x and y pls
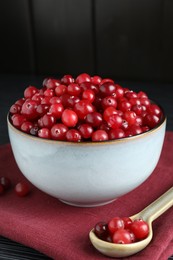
(90, 173)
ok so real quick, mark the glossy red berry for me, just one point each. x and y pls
(99, 135)
(94, 119)
(101, 230)
(26, 126)
(69, 118)
(73, 89)
(44, 133)
(5, 182)
(82, 108)
(122, 236)
(84, 77)
(109, 101)
(56, 110)
(73, 135)
(30, 91)
(51, 83)
(29, 109)
(89, 95)
(58, 132)
(115, 224)
(108, 89)
(67, 79)
(60, 90)
(140, 228)
(22, 189)
(116, 134)
(86, 130)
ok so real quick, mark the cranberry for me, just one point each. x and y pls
(142, 94)
(96, 80)
(82, 108)
(86, 130)
(138, 109)
(99, 135)
(151, 120)
(56, 110)
(20, 101)
(73, 89)
(134, 101)
(46, 100)
(15, 109)
(115, 224)
(44, 133)
(116, 134)
(42, 109)
(154, 109)
(139, 228)
(37, 97)
(101, 230)
(73, 135)
(130, 117)
(109, 111)
(34, 130)
(29, 109)
(130, 95)
(115, 121)
(55, 100)
(89, 86)
(94, 119)
(124, 105)
(18, 120)
(107, 89)
(122, 236)
(84, 77)
(67, 79)
(48, 120)
(26, 126)
(69, 118)
(60, 90)
(51, 83)
(89, 95)
(119, 91)
(72, 100)
(22, 189)
(133, 130)
(5, 182)
(127, 222)
(106, 80)
(58, 132)
(30, 91)
(109, 101)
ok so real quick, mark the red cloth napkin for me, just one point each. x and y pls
(61, 231)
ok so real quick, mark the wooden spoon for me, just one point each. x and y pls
(149, 214)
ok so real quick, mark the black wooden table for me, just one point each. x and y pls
(12, 87)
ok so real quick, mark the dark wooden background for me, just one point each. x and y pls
(128, 40)
(124, 39)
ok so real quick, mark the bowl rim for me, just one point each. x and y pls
(84, 143)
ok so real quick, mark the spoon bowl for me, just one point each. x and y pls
(149, 214)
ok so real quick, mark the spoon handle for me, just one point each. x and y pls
(158, 207)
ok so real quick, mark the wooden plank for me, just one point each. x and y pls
(63, 30)
(129, 38)
(17, 54)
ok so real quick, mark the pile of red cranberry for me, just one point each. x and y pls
(122, 230)
(84, 108)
